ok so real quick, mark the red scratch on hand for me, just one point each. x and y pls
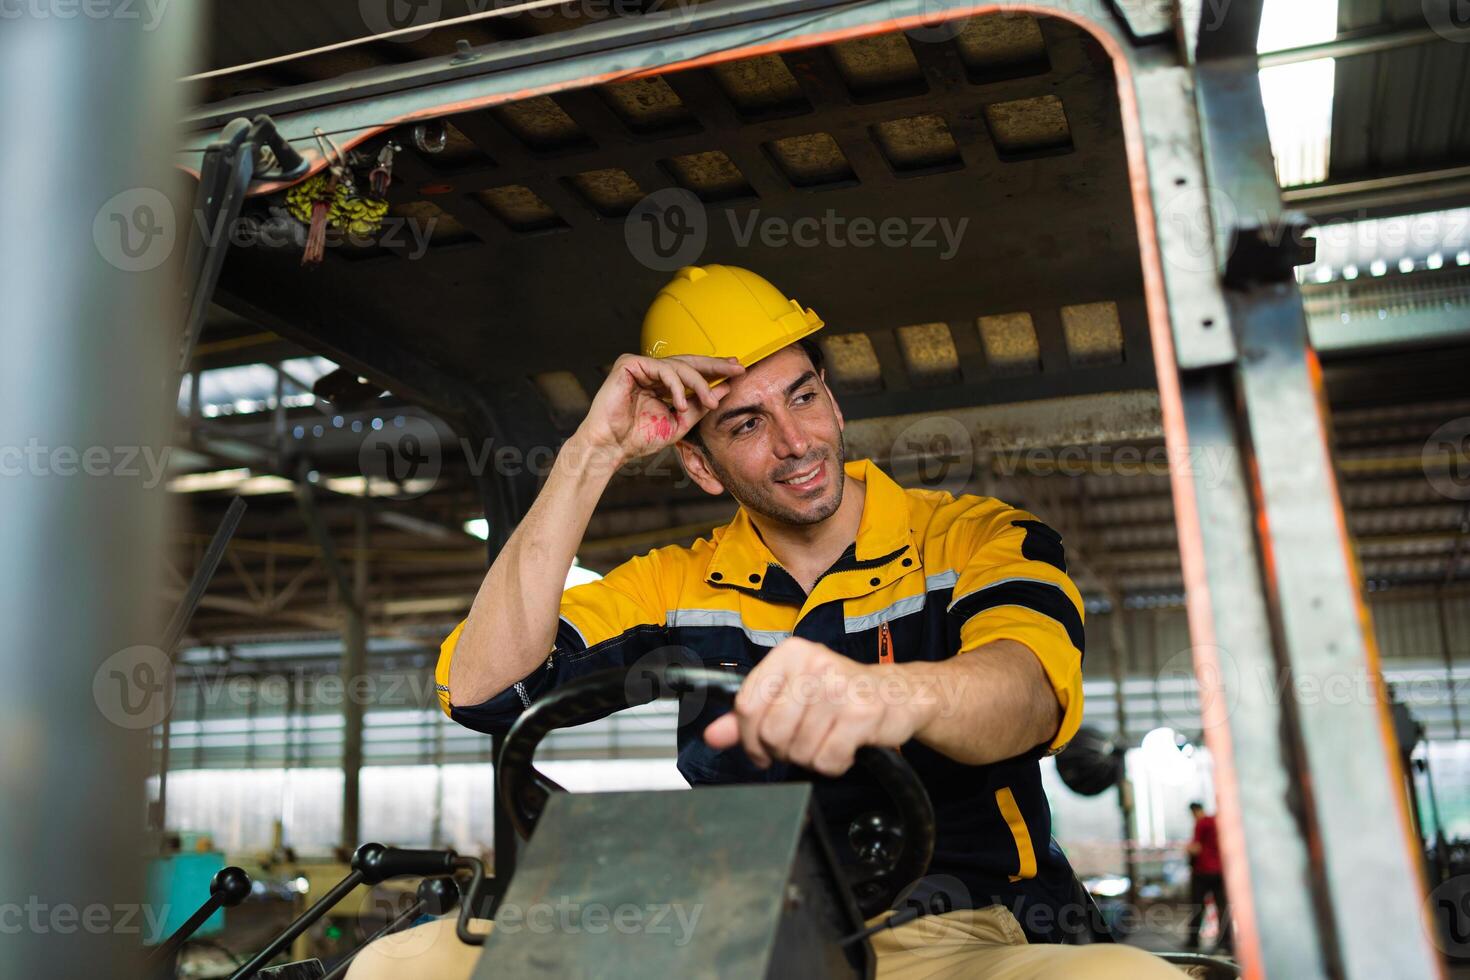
(657, 427)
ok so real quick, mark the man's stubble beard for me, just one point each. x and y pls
(759, 500)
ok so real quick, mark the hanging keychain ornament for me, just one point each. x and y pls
(358, 215)
(331, 199)
(321, 192)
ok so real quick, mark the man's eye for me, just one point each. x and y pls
(747, 426)
(805, 397)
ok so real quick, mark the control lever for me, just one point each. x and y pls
(371, 864)
(436, 896)
(228, 888)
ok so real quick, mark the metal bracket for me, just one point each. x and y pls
(1148, 21)
(1269, 253)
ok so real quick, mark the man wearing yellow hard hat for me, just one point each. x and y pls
(830, 577)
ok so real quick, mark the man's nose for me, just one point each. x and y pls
(791, 440)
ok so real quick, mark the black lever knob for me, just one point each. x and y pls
(439, 895)
(231, 885)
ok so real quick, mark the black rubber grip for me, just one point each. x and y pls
(378, 863)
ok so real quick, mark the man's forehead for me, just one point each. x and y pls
(768, 377)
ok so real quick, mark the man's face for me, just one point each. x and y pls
(775, 441)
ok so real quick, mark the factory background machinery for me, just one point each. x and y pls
(1234, 379)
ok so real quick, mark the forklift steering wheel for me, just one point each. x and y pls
(891, 849)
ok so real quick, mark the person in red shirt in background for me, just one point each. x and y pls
(1206, 878)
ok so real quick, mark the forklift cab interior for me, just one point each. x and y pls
(971, 202)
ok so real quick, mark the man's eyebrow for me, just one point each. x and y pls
(791, 388)
(740, 410)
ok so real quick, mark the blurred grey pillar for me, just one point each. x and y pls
(87, 320)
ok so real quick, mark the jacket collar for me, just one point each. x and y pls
(742, 559)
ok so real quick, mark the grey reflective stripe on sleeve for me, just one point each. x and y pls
(442, 687)
(724, 617)
(901, 607)
(521, 690)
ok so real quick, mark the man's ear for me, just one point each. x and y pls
(836, 409)
(692, 458)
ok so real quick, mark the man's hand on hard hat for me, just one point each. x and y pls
(649, 403)
(644, 405)
(811, 706)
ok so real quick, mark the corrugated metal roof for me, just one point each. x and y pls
(1399, 110)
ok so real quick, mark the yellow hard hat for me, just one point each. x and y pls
(723, 311)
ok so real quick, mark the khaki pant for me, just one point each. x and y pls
(984, 944)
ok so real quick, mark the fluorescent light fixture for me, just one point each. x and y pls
(1379, 267)
(478, 527)
(237, 480)
(1406, 265)
(211, 481)
(1287, 24)
(1298, 98)
(259, 485)
(361, 486)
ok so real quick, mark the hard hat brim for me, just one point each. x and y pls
(810, 324)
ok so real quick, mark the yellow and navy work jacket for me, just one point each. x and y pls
(930, 576)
